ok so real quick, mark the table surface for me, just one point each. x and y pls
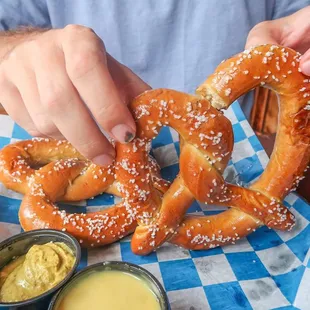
(266, 270)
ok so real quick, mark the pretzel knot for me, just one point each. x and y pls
(155, 213)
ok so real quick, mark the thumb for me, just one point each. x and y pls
(262, 33)
(305, 63)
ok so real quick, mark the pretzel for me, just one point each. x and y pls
(269, 66)
(19, 161)
(67, 176)
(206, 145)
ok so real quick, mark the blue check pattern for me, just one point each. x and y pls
(266, 270)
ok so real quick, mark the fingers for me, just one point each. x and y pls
(13, 103)
(128, 84)
(26, 83)
(22, 99)
(86, 65)
(68, 112)
(288, 31)
(67, 87)
(305, 63)
(263, 33)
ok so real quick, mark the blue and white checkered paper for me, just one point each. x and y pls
(267, 270)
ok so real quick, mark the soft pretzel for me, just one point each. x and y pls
(134, 181)
(19, 161)
(67, 176)
(275, 67)
(206, 145)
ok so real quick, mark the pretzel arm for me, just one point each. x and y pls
(185, 113)
(97, 228)
(93, 180)
(201, 176)
(18, 162)
(249, 210)
(208, 186)
(160, 184)
(174, 206)
(277, 68)
(92, 229)
(206, 232)
(269, 212)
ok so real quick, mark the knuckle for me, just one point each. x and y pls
(88, 147)
(73, 28)
(30, 47)
(84, 50)
(52, 98)
(263, 24)
(259, 26)
(79, 33)
(45, 127)
(3, 79)
(92, 148)
(77, 29)
(34, 133)
(35, 46)
(11, 57)
(110, 114)
(106, 109)
(86, 58)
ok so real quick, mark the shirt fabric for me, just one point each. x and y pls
(168, 43)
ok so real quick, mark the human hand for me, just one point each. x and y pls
(61, 83)
(291, 31)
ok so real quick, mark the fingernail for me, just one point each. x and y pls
(123, 133)
(305, 67)
(103, 160)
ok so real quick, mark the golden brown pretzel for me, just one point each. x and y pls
(67, 176)
(134, 182)
(207, 141)
(19, 161)
(275, 67)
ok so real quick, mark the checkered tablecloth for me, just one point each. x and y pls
(267, 270)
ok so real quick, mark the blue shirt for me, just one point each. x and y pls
(168, 43)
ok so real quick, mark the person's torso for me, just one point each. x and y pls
(173, 44)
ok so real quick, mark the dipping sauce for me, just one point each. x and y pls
(30, 275)
(113, 290)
